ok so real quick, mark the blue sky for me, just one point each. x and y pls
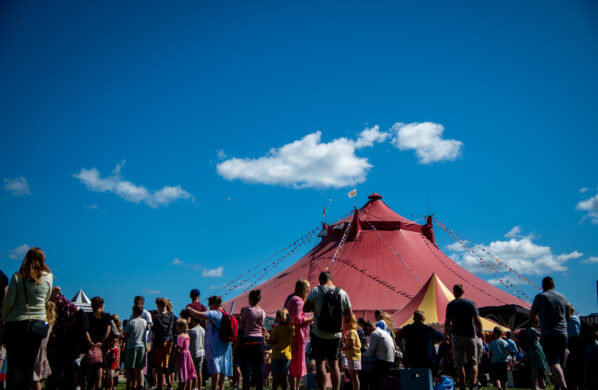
(137, 133)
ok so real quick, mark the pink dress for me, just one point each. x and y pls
(298, 367)
(184, 360)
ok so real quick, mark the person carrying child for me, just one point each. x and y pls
(499, 351)
(352, 349)
(184, 360)
(281, 338)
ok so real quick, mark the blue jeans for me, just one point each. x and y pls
(252, 362)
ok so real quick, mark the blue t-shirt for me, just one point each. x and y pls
(500, 351)
(551, 307)
(574, 327)
(461, 312)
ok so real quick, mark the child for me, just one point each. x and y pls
(112, 360)
(196, 347)
(135, 333)
(352, 350)
(280, 339)
(499, 351)
(536, 354)
(41, 369)
(184, 360)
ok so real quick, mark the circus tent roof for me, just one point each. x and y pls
(432, 299)
(383, 264)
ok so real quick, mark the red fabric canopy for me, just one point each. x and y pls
(373, 276)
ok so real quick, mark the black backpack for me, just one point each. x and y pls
(330, 318)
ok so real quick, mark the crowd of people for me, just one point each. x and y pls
(46, 339)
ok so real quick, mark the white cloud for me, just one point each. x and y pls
(176, 261)
(591, 260)
(308, 162)
(369, 136)
(17, 187)
(151, 291)
(19, 252)
(426, 139)
(583, 190)
(212, 273)
(514, 233)
(129, 191)
(455, 247)
(591, 207)
(521, 254)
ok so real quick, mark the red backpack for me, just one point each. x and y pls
(229, 328)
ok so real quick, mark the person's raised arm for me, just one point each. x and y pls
(197, 314)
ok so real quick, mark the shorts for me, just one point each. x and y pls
(161, 355)
(354, 365)
(112, 373)
(280, 366)
(324, 349)
(554, 348)
(198, 363)
(464, 351)
(135, 357)
(498, 372)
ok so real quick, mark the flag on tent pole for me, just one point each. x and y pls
(352, 193)
(324, 212)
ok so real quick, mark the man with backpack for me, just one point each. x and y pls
(330, 305)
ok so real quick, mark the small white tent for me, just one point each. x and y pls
(81, 301)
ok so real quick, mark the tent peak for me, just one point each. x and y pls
(375, 196)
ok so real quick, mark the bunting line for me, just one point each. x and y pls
(490, 264)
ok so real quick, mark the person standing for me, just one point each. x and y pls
(218, 355)
(552, 310)
(301, 321)
(252, 342)
(196, 304)
(140, 301)
(136, 334)
(380, 346)
(575, 374)
(162, 342)
(329, 304)
(460, 327)
(499, 353)
(196, 347)
(97, 334)
(419, 340)
(25, 303)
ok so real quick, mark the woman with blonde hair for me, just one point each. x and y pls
(301, 321)
(384, 321)
(24, 311)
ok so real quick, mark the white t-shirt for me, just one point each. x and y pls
(316, 296)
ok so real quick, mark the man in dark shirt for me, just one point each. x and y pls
(419, 340)
(197, 305)
(162, 331)
(551, 307)
(461, 325)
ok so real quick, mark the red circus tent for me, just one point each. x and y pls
(384, 262)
